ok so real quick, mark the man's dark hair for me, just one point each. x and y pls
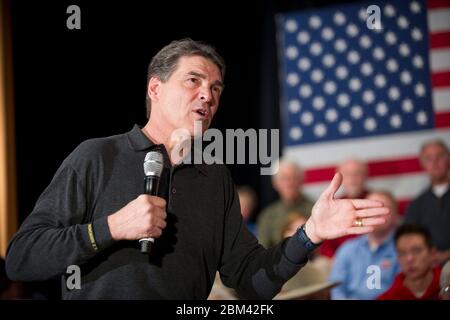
(411, 228)
(165, 62)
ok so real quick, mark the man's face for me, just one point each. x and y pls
(287, 182)
(415, 258)
(190, 94)
(435, 160)
(354, 177)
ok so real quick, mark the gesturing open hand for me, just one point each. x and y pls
(333, 218)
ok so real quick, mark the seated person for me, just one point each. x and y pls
(366, 266)
(431, 208)
(418, 279)
(288, 182)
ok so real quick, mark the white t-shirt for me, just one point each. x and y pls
(440, 189)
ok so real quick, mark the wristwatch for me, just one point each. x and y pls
(305, 240)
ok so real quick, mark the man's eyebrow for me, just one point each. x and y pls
(203, 76)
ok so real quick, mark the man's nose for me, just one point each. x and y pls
(205, 95)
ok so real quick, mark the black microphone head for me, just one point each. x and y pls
(153, 163)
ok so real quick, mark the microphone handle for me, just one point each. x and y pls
(151, 184)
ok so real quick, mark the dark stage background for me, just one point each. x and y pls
(71, 85)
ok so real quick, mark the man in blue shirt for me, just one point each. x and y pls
(366, 266)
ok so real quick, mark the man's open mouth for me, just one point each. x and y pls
(202, 112)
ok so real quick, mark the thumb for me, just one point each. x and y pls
(333, 186)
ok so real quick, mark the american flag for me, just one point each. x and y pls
(374, 94)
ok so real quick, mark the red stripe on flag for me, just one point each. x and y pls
(442, 119)
(376, 169)
(319, 175)
(432, 4)
(440, 40)
(389, 167)
(440, 79)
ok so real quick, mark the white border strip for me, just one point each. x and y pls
(392, 146)
(402, 186)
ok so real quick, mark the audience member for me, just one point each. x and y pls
(432, 208)
(288, 183)
(367, 265)
(418, 279)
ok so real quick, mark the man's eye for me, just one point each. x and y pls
(193, 80)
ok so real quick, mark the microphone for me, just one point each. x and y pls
(153, 166)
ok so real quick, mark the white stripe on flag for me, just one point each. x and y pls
(440, 60)
(386, 147)
(402, 186)
(439, 20)
(441, 99)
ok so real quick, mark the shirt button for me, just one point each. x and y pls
(174, 190)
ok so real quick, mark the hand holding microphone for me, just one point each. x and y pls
(153, 166)
(144, 217)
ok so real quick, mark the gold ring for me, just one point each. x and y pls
(358, 222)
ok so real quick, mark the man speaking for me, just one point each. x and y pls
(95, 209)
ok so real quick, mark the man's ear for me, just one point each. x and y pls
(153, 88)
